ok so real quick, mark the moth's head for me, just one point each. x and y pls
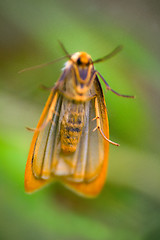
(81, 59)
(82, 64)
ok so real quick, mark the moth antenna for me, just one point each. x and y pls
(110, 55)
(42, 65)
(64, 49)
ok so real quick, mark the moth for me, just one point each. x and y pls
(71, 141)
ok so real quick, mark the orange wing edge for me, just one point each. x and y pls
(32, 184)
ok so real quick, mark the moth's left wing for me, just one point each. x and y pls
(37, 172)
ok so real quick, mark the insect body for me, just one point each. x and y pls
(71, 126)
(71, 141)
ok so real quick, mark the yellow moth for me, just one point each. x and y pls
(71, 141)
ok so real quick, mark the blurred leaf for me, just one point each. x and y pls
(128, 207)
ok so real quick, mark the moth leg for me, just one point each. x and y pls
(99, 124)
(30, 129)
(43, 125)
(50, 114)
(45, 87)
(110, 89)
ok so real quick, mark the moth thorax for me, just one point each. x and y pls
(71, 128)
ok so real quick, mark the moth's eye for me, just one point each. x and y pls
(79, 61)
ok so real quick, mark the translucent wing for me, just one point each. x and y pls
(83, 170)
(92, 151)
(31, 182)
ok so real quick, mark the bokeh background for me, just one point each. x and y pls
(129, 205)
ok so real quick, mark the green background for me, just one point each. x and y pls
(129, 205)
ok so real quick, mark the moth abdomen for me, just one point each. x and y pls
(71, 129)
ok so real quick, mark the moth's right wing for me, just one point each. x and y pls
(92, 152)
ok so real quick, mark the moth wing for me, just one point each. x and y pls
(93, 151)
(33, 180)
(84, 171)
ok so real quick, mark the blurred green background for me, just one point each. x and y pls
(129, 205)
